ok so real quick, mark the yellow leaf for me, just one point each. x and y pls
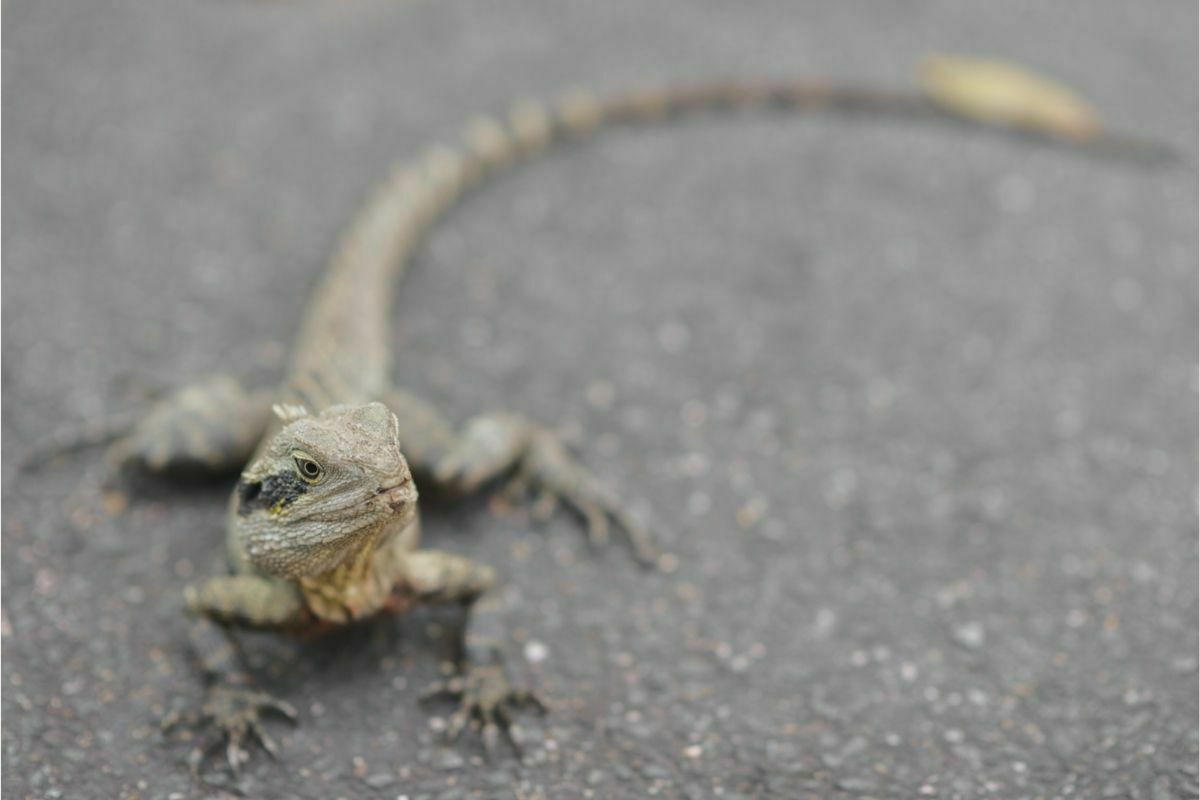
(1000, 93)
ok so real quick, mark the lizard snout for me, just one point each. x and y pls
(400, 495)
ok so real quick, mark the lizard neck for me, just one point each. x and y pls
(342, 353)
(361, 585)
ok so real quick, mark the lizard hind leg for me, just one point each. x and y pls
(498, 445)
(207, 428)
(495, 444)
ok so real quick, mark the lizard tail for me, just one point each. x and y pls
(354, 299)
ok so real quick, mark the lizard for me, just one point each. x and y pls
(323, 528)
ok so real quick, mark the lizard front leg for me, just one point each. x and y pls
(233, 705)
(492, 446)
(482, 685)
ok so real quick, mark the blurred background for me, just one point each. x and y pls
(914, 406)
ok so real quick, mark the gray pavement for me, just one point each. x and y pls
(915, 408)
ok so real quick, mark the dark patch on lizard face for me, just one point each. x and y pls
(274, 493)
(247, 493)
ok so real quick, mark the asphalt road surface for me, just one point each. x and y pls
(914, 407)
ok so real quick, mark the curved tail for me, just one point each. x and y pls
(347, 320)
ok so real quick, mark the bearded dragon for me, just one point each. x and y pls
(323, 527)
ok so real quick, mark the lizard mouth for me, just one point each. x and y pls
(398, 497)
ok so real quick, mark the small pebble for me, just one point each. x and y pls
(379, 780)
(535, 651)
(970, 635)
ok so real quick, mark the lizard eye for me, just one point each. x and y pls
(307, 468)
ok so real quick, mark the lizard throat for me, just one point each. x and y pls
(313, 547)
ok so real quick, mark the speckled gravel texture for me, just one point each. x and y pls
(915, 408)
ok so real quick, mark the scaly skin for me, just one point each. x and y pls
(323, 527)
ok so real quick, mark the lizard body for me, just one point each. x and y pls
(323, 528)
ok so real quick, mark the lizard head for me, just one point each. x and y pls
(322, 489)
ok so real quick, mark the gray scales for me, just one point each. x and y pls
(323, 528)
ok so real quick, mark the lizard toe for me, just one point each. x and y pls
(227, 719)
(486, 704)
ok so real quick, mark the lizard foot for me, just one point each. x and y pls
(554, 476)
(235, 715)
(486, 698)
(493, 444)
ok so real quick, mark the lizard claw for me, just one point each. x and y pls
(558, 477)
(486, 702)
(235, 716)
(492, 445)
